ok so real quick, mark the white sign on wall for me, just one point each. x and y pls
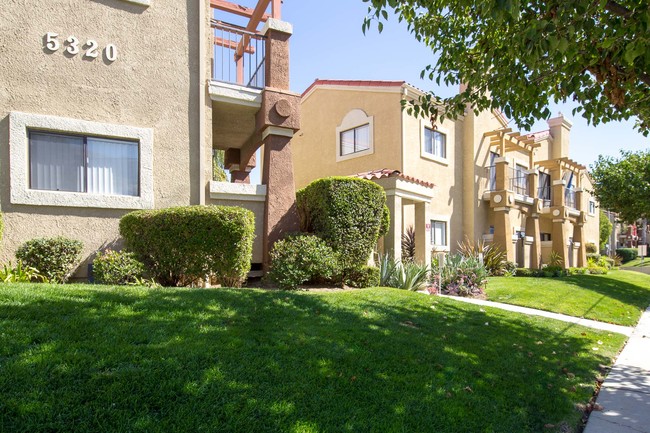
(72, 45)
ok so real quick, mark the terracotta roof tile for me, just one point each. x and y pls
(539, 135)
(386, 172)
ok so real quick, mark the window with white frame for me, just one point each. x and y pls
(58, 161)
(82, 163)
(435, 143)
(355, 140)
(592, 207)
(439, 233)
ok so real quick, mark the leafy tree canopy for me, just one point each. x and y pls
(605, 229)
(526, 53)
(623, 185)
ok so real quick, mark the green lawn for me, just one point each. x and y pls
(99, 359)
(637, 263)
(618, 297)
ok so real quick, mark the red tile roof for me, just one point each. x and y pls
(539, 135)
(370, 83)
(386, 172)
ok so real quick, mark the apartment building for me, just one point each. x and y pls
(474, 177)
(115, 105)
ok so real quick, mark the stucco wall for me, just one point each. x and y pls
(314, 146)
(592, 226)
(153, 83)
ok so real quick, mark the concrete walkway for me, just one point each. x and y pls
(625, 394)
(625, 330)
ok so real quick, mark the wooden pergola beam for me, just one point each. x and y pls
(236, 9)
(226, 43)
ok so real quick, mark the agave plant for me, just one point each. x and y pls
(388, 270)
(412, 276)
(494, 258)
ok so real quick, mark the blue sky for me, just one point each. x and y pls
(328, 43)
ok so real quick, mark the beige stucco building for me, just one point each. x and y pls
(114, 105)
(473, 177)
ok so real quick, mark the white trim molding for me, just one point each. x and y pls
(20, 193)
(441, 218)
(354, 119)
(140, 2)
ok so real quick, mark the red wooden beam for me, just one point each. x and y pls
(256, 18)
(226, 43)
(236, 9)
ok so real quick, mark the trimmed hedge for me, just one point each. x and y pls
(300, 258)
(117, 267)
(627, 254)
(362, 277)
(181, 245)
(348, 213)
(54, 258)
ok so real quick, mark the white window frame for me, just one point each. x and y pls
(592, 203)
(354, 119)
(139, 2)
(19, 126)
(441, 219)
(426, 155)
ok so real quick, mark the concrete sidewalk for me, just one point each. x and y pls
(625, 394)
(625, 330)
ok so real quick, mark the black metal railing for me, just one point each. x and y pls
(518, 181)
(239, 56)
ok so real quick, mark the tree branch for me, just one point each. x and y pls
(618, 9)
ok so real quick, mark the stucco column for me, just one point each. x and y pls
(503, 232)
(557, 187)
(532, 229)
(501, 168)
(280, 214)
(580, 196)
(422, 234)
(276, 68)
(560, 235)
(533, 183)
(393, 239)
(579, 236)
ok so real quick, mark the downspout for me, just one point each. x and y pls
(202, 84)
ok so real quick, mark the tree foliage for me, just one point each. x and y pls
(527, 53)
(605, 229)
(623, 185)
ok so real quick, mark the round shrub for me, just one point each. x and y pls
(597, 270)
(627, 254)
(54, 258)
(186, 244)
(348, 213)
(117, 267)
(300, 258)
(362, 277)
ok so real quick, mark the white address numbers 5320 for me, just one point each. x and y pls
(73, 47)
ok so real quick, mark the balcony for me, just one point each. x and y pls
(518, 181)
(544, 194)
(238, 56)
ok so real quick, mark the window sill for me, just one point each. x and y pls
(139, 2)
(434, 158)
(354, 155)
(78, 199)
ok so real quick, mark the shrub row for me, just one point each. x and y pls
(554, 271)
(54, 258)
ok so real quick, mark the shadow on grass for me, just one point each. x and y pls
(89, 360)
(636, 294)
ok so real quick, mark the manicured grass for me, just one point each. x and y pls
(92, 358)
(637, 263)
(618, 297)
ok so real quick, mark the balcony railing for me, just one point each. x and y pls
(518, 181)
(238, 56)
(570, 198)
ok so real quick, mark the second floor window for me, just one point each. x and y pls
(544, 186)
(592, 207)
(355, 140)
(435, 143)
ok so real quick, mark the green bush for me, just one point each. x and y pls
(181, 245)
(554, 271)
(300, 258)
(525, 272)
(593, 256)
(117, 267)
(20, 274)
(627, 254)
(362, 277)
(591, 248)
(347, 213)
(54, 258)
(597, 270)
(577, 271)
